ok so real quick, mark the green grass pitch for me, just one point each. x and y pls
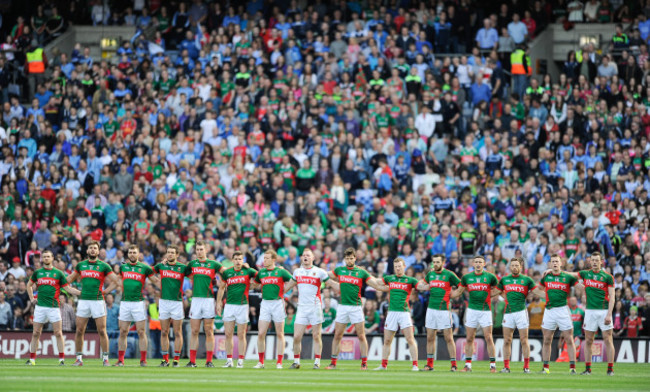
(47, 376)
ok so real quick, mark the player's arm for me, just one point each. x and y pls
(220, 293)
(458, 292)
(539, 290)
(495, 292)
(610, 306)
(73, 277)
(333, 276)
(154, 279)
(422, 285)
(288, 286)
(30, 292)
(71, 290)
(377, 284)
(334, 285)
(113, 283)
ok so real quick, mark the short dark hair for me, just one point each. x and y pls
(350, 252)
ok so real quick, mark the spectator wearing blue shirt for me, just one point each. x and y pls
(443, 33)
(517, 29)
(189, 44)
(480, 91)
(29, 144)
(231, 18)
(43, 96)
(644, 27)
(487, 37)
(444, 243)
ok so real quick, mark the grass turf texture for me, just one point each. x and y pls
(48, 376)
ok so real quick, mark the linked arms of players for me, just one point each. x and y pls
(373, 282)
(30, 291)
(113, 282)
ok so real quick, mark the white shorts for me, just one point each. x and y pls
(438, 319)
(87, 308)
(557, 318)
(43, 314)
(475, 318)
(132, 311)
(309, 315)
(171, 310)
(398, 320)
(236, 313)
(272, 310)
(202, 308)
(517, 320)
(594, 319)
(348, 314)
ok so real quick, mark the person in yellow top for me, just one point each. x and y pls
(535, 315)
(520, 69)
(35, 66)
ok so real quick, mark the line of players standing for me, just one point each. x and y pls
(349, 279)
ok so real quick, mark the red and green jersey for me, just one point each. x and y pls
(440, 284)
(351, 281)
(479, 287)
(92, 275)
(577, 317)
(133, 277)
(48, 286)
(399, 292)
(203, 274)
(171, 280)
(597, 286)
(557, 289)
(238, 284)
(515, 289)
(273, 282)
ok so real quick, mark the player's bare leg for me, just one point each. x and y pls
(470, 334)
(431, 348)
(316, 333)
(525, 348)
(339, 329)
(178, 340)
(385, 351)
(508, 333)
(413, 346)
(122, 342)
(103, 338)
(279, 349)
(229, 331)
(608, 337)
(262, 329)
(164, 341)
(143, 341)
(208, 328)
(451, 347)
(33, 345)
(360, 329)
(489, 342)
(571, 349)
(80, 332)
(195, 327)
(241, 339)
(546, 349)
(298, 333)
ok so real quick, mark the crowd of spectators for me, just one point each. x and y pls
(325, 125)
